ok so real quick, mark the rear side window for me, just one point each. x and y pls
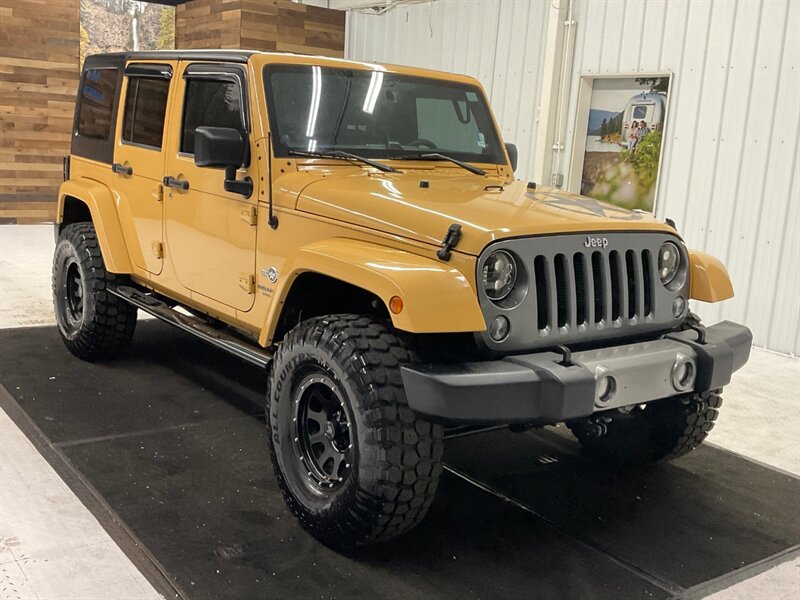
(145, 109)
(214, 103)
(97, 103)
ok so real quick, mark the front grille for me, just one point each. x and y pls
(578, 292)
(590, 289)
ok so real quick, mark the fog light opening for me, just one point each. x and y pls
(606, 386)
(499, 328)
(678, 307)
(683, 373)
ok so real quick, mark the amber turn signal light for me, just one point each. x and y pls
(396, 305)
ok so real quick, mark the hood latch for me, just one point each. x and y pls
(449, 242)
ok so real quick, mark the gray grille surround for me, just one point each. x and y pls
(568, 293)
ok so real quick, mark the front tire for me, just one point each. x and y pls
(664, 429)
(94, 324)
(354, 463)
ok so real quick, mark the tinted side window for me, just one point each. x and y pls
(211, 103)
(145, 108)
(97, 103)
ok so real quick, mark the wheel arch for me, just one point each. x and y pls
(437, 297)
(87, 200)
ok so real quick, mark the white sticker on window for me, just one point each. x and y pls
(472, 97)
(481, 140)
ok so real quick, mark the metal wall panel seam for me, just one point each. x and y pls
(778, 81)
(782, 254)
(699, 104)
(719, 125)
(739, 169)
(666, 160)
(621, 37)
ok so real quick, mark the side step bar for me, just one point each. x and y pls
(194, 325)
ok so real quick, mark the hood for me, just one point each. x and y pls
(486, 208)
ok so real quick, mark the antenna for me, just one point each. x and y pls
(272, 219)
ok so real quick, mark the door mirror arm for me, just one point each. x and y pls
(231, 184)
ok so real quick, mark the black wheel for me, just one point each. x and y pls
(668, 428)
(94, 324)
(354, 463)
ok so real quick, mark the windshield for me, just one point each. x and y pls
(377, 114)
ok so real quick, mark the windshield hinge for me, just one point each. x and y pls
(249, 215)
(449, 242)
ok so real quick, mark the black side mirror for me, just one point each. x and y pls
(512, 155)
(218, 147)
(223, 147)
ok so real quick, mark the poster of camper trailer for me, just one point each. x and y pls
(623, 140)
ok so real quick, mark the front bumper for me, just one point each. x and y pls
(537, 388)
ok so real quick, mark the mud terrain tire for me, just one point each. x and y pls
(375, 473)
(94, 324)
(664, 429)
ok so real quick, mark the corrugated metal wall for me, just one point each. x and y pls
(499, 42)
(729, 173)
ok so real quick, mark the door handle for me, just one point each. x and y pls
(172, 182)
(121, 169)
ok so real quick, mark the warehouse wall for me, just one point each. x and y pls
(729, 172)
(39, 73)
(500, 42)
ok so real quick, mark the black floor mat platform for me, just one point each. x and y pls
(171, 438)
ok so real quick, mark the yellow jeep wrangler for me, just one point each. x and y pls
(357, 231)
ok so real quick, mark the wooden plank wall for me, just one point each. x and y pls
(208, 24)
(39, 71)
(284, 26)
(269, 25)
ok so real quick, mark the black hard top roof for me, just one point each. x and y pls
(240, 56)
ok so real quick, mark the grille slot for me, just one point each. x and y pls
(581, 297)
(562, 301)
(539, 270)
(616, 281)
(600, 298)
(633, 283)
(647, 281)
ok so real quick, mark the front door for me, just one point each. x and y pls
(139, 161)
(210, 233)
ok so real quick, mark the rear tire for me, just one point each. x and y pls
(354, 463)
(94, 324)
(664, 429)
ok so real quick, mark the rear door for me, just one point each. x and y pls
(139, 160)
(211, 233)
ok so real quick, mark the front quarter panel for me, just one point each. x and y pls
(437, 297)
(710, 281)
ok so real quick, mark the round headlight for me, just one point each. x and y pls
(499, 275)
(669, 262)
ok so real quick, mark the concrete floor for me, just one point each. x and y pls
(52, 547)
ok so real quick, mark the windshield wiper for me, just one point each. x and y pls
(345, 156)
(437, 156)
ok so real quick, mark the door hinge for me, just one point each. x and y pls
(158, 193)
(248, 283)
(249, 215)
(158, 249)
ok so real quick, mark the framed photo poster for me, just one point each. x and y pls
(619, 135)
(125, 25)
